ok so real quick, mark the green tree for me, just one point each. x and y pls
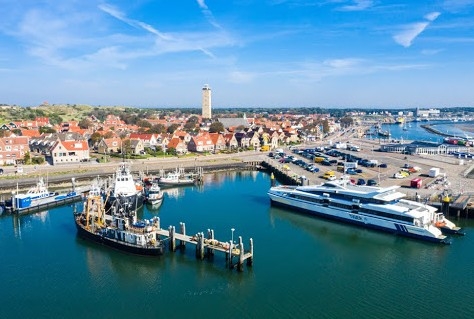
(84, 123)
(172, 128)
(325, 126)
(143, 124)
(109, 134)
(190, 127)
(157, 129)
(126, 146)
(95, 138)
(46, 129)
(27, 157)
(216, 127)
(346, 121)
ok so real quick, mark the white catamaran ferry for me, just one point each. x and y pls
(372, 207)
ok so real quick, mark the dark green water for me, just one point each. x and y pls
(304, 267)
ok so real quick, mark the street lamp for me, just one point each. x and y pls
(232, 238)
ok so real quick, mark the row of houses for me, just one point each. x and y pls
(72, 147)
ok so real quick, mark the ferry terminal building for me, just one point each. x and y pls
(425, 148)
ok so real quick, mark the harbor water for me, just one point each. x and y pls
(413, 131)
(304, 267)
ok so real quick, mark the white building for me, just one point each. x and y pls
(206, 102)
(428, 113)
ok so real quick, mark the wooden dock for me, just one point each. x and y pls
(206, 246)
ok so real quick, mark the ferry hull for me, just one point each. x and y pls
(115, 244)
(399, 229)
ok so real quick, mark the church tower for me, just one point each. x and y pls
(206, 102)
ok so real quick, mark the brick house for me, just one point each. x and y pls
(201, 143)
(230, 141)
(13, 149)
(109, 145)
(64, 152)
(218, 141)
(149, 140)
(178, 145)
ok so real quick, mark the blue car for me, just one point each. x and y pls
(351, 171)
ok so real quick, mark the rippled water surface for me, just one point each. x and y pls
(304, 267)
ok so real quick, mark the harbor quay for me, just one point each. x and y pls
(59, 176)
(455, 179)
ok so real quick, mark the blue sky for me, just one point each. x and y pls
(252, 53)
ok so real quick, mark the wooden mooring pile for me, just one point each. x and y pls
(206, 246)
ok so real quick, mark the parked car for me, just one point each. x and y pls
(351, 171)
(371, 182)
(361, 181)
(383, 165)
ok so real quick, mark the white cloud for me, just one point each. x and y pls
(342, 63)
(411, 31)
(358, 5)
(431, 52)
(134, 23)
(208, 14)
(407, 36)
(432, 16)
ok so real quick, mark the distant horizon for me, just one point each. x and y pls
(265, 54)
(466, 108)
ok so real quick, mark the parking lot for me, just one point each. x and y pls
(385, 166)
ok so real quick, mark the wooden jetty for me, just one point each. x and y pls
(206, 246)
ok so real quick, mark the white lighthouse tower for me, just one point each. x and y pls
(206, 102)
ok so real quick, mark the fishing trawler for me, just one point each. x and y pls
(367, 206)
(124, 192)
(118, 228)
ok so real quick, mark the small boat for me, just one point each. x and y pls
(154, 195)
(175, 178)
(383, 133)
(118, 228)
(39, 191)
(39, 196)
